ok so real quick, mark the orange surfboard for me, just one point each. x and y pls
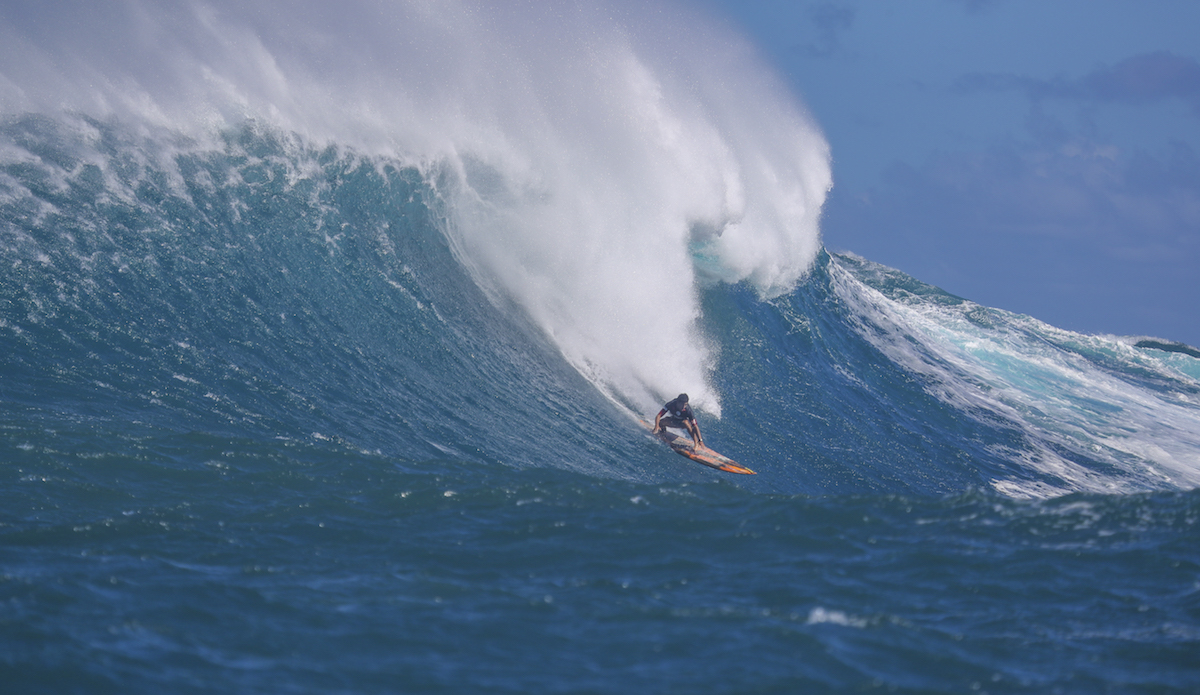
(683, 447)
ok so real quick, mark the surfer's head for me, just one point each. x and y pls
(682, 398)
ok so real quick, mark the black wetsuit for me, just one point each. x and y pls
(678, 413)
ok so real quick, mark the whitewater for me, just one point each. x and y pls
(324, 333)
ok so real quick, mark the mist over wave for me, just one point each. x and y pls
(589, 159)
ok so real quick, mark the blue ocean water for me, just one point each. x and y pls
(284, 413)
(241, 454)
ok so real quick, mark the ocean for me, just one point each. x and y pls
(298, 404)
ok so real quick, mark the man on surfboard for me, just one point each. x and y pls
(681, 416)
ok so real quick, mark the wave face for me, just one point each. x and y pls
(319, 370)
(268, 287)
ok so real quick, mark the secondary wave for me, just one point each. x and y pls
(1095, 413)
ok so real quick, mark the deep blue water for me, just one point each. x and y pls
(261, 430)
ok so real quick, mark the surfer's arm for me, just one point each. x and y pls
(657, 418)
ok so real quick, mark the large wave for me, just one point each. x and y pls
(596, 164)
(423, 232)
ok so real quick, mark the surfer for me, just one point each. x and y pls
(681, 416)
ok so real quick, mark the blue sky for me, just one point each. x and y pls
(1040, 157)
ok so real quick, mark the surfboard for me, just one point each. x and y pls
(704, 455)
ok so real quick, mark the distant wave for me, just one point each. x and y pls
(1095, 412)
(1168, 346)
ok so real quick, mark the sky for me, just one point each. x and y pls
(1038, 157)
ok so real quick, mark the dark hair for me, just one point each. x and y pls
(682, 397)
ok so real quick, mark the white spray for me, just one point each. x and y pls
(598, 163)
